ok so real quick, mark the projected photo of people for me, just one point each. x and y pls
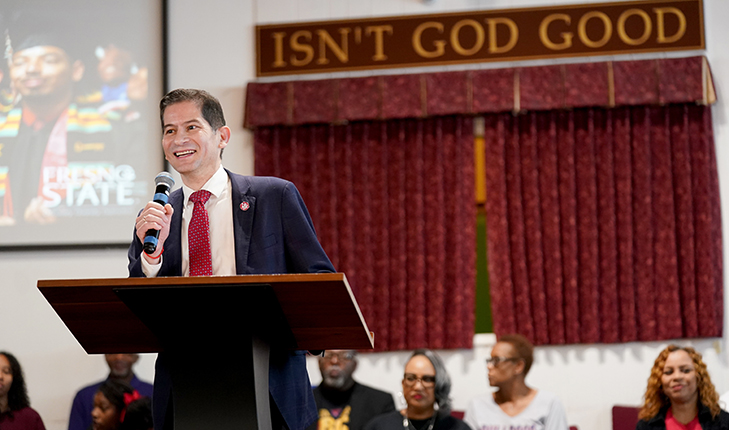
(77, 142)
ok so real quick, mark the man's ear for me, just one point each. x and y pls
(77, 70)
(224, 136)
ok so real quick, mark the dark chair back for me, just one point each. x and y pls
(457, 414)
(625, 417)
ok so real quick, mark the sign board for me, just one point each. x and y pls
(480, 36)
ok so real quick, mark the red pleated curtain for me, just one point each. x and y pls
(392, 202)
(602, 209)
(604, 224)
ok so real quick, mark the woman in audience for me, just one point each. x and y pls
(680, 394)
(110, 404)
(426, 387)
(514, 404)
(15, 410)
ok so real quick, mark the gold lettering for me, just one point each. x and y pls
(456, 41)
(342, 53)
(494, 47)
(660, 14)
(278, 51)
(582, 25)
(647, 27)
(378, 30)
(544, 32)
(418, 42)
(308, 50)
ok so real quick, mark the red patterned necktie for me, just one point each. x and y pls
(198, 236)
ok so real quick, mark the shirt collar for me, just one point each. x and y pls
(216, 185)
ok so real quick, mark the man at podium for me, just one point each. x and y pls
(222, 223)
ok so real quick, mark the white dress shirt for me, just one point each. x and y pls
(220, 215)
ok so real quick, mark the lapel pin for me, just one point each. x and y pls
(245, 206)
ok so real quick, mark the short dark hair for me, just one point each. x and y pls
(442, 389)
(524, 349)
(18, 393)
(209, 106)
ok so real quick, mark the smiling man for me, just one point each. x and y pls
(221, 223)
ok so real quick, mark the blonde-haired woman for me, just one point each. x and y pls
(680, 394)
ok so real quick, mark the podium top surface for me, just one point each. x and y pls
(319, 307)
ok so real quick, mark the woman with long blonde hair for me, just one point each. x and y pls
(680, 394)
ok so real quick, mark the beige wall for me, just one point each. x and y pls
(211, 47)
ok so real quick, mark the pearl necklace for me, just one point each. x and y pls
(407, 426)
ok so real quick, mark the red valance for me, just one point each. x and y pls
(606, 84)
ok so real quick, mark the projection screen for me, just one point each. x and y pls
(80, 83)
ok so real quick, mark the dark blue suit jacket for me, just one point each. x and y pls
(274, 235)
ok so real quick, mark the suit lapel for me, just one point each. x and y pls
(173, 244)
(244, 207)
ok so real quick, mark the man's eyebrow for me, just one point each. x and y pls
(194, 120)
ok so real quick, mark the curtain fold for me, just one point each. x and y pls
(393, 205)
(485, 91)
(604, 224)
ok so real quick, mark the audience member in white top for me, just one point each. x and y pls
(514, 404)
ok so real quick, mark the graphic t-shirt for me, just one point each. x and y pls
(545, 412)
(351, 409)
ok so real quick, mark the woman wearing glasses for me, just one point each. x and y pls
(425, 387)
(514, 404)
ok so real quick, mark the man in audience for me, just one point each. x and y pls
(120, 368)
(344, 403)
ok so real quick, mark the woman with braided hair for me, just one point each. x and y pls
(680, 394)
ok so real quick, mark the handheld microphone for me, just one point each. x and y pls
(163, 183)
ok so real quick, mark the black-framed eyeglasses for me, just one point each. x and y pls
(495, 361)
(426, 380)
(341, 355)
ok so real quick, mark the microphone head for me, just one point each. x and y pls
(164, 178)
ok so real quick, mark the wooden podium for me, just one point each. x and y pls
(217, 332)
